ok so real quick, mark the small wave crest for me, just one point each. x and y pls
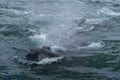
(88, 24)
(93, 45)
(56, 47)
(84, 28)
(109, 12)
(96, 21)
(16, 12)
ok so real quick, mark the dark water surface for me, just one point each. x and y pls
(87, 30)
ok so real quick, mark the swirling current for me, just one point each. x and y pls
(88, 31)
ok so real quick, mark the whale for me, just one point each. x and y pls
(39, 56)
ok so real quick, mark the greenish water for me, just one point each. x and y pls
(87, 30)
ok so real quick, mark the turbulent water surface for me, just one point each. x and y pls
(88, 31)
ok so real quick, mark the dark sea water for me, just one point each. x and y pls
(88, 31)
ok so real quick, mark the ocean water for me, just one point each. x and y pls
(88, 31)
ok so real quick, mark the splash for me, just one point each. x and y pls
(39, 38)
(44, 61)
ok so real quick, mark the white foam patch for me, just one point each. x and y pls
(38, 37)
(109, 12)
(93, 45)
(49, 60)
(96, 21)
